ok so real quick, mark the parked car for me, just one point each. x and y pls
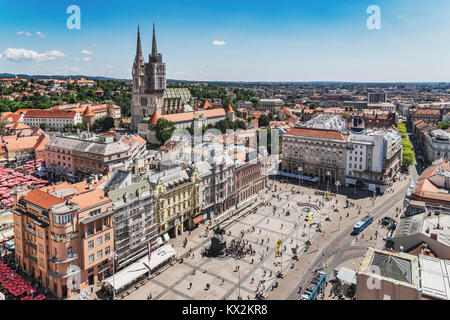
(386, 220)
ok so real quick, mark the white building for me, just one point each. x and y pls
(373, 158)
(271, 105)
(53, 119)
(437, 145)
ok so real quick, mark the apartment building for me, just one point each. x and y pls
(373, 158)
(178, 200)
(80, 157)
(436, 145)
(218, 187)
(134, 220)
(428, 115)
(64, 237)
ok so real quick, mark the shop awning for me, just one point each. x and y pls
(127, 275)
(160, 256)
(198, 219)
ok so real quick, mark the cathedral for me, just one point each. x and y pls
(149, 88)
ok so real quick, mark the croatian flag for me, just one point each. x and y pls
(149, 249)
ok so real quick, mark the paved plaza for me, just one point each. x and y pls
(219, 273)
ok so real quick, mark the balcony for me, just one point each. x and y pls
(31, 245)
(69, 258)
(30, 230)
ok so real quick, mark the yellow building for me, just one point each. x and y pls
(178, 199)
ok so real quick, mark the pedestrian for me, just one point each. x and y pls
(190, 285)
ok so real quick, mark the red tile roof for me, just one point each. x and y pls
(42, 199)
(50, 114)
(318, 133)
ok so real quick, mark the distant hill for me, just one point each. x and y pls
(59, 77)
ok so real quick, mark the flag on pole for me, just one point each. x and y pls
(149, 250)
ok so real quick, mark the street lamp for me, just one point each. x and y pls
(328, 194)
(300, 170)
(338, 183)
(239, 295)
(114, 256)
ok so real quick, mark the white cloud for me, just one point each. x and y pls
(24, 54)
(28, 34)
(77, 59)
(40, 34)
(108, 66)
(219, 43)
(402, 16)
(20, 32)
(86, 59)
(86, 52)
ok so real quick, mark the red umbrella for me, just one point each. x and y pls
(31, 290)
(40, 297)
(26, 298)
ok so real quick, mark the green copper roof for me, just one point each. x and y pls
(178, 93)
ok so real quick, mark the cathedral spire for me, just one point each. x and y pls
(138, 47)
(154, 47)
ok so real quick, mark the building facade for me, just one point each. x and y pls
(178, 199)
(271, 105)
(373, 158)
(319, 153)
(64, 239)
(134, 219)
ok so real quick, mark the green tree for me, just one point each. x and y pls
(43, 126)
(263, 120)
(103, 124)
(444, 125)
(163, 129)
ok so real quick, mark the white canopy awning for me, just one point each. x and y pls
(127, 275)
(159, 241)
(160, 256)
(347, 275)
(166, 237)
(7, 234)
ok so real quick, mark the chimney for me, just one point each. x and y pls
(434, 236)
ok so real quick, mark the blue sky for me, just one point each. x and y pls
(264, 40)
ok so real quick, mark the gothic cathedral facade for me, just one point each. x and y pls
(149, 84)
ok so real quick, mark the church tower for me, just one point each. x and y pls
(149, 83)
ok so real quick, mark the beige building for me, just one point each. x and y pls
(178, 200)
(316, 152)
(271, 105)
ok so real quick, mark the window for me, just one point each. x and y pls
(41, 248)
(99, 254)
(91, 258)
(41, 262)
(69, 236)
(69, 251)
(107, 250)
(40, 234)
(107, 236)
(99, 241)
(91, 244)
